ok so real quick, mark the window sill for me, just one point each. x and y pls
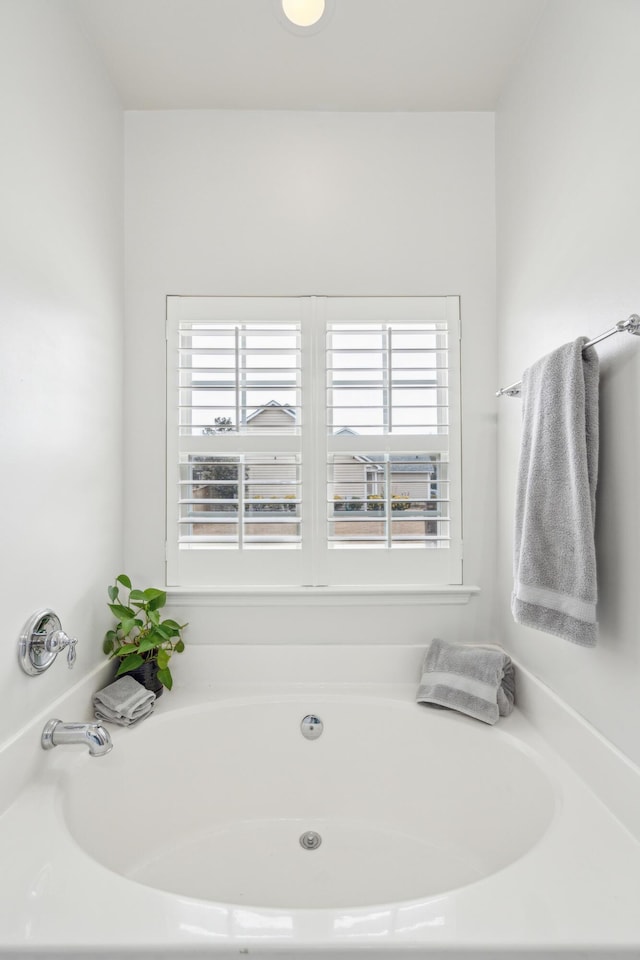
(374, 595)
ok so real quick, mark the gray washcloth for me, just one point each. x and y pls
(475, 680)
(110, 716)
(124, 702)
(555, 587)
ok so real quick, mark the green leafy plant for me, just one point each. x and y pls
(140, 634)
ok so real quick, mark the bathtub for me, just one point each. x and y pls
(433, 835)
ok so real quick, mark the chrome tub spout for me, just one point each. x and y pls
(92, 735)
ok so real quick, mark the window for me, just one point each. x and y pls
(313, 441)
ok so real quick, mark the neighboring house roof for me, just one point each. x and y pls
(272, 403)
(361, 458)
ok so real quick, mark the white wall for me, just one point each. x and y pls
(310, 203)
(568, 212)
(60, 339)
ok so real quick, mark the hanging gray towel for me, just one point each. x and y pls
(475, 680)
(555, 587)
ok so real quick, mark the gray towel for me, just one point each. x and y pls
(125, 701)
(475, 680)
(555, 587)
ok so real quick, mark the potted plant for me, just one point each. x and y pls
(141, 639)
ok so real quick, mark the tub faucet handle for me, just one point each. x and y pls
(57, 641)
(71, 652)
(40, 642)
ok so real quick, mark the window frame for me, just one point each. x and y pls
(313, 564)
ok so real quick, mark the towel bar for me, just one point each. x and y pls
(630, 325)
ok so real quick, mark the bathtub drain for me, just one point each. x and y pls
(310, 840)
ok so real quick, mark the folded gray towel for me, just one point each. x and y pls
(110, 716)
(125, 701)
(475, 680)
(555, 587)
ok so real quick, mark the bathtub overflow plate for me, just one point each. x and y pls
(310, 840)
(311, 727)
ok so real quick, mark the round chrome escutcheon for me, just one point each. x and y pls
(310, 840)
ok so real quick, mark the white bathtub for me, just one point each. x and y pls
(441, 837)
(408, 802)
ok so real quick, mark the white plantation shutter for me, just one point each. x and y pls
(392, 440)
(313, 441)
(235, 467)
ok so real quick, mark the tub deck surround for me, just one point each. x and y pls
(563, 883)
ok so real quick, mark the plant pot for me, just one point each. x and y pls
(147, 675)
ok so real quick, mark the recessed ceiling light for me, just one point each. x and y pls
(303, 17)
(303, 13)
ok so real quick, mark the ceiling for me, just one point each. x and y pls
(370, 55)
